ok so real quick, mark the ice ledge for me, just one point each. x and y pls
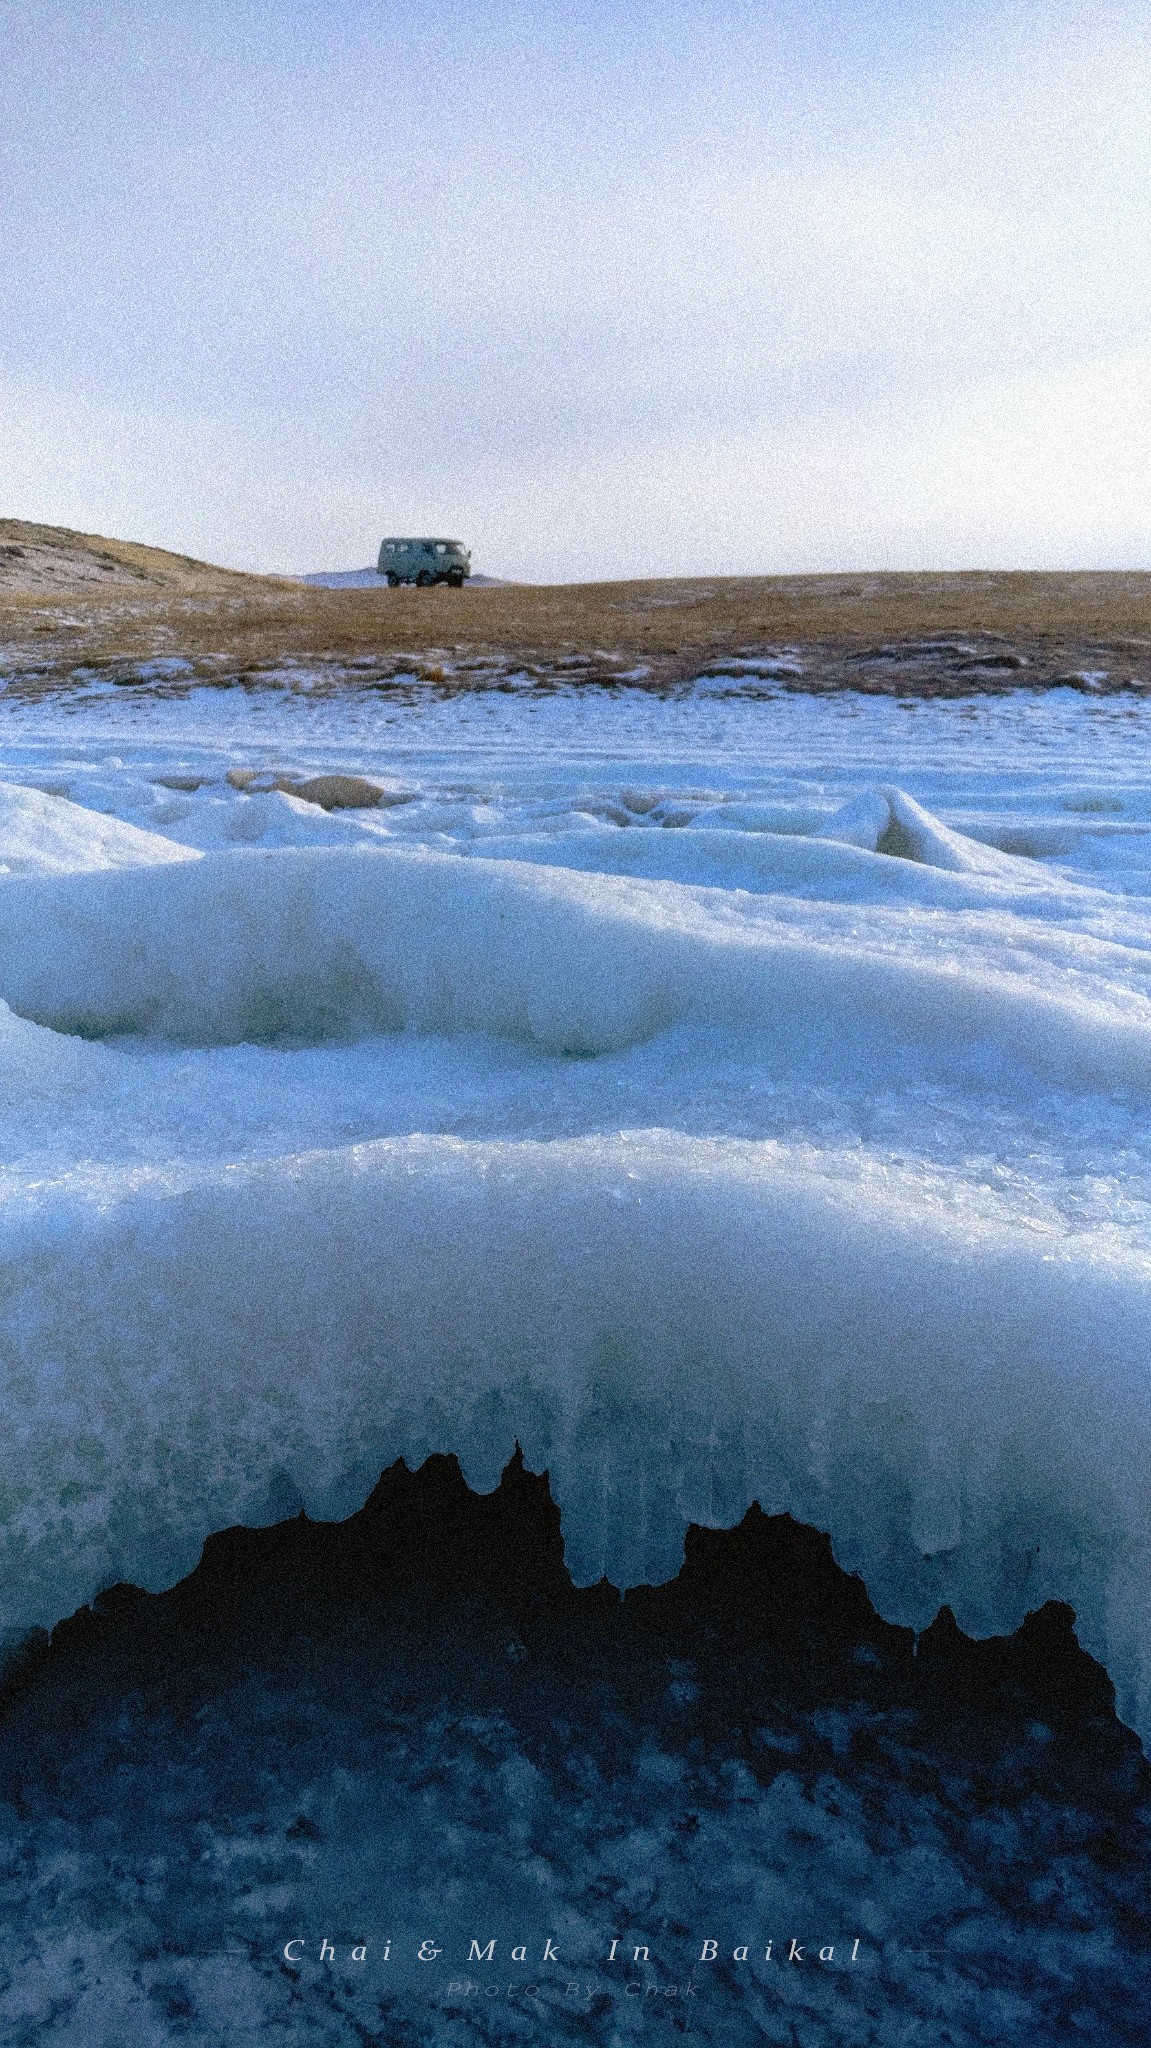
(672, 1327)
(429, 1554)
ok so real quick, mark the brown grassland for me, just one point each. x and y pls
(74, 602)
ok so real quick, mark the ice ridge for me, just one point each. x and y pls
(672, 1321)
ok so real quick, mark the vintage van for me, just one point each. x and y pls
(424, 562)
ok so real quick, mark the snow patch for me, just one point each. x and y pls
(42, 834)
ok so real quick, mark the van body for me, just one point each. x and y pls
(424, 562)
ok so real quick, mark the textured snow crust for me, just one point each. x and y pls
(42, 834)
(719, 1128)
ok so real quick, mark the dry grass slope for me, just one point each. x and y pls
(70, 601)
(39, 560)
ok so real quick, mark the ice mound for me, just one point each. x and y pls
(882, 845)
(39, 1067)
(345, 942)
(41, 834)
(269, 818)
(671, 1326)
(891, 823)
(729, 855)
(884, 821)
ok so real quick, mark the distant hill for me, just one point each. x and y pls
(344, 579)
(47, 560)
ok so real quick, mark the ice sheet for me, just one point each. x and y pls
(729, 1100)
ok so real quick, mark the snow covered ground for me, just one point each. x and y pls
(729, 1096)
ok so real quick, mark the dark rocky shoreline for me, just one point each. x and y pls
(978, 665)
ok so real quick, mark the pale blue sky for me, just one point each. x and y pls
(607, 289)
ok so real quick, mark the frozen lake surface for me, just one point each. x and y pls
(728, 1096)
(732, 1096)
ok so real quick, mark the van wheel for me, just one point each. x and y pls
(456, 579)
(393, 580)
(423, 580)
